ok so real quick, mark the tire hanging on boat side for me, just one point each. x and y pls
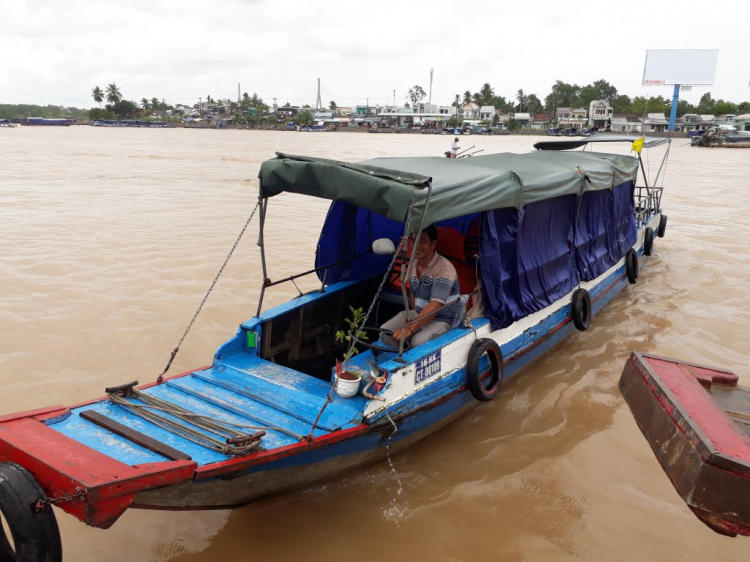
(648, 241)
(631, 266)
(34, 533)
(662, 226)
(485, 389)
(581, 309)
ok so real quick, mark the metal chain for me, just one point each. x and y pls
(160, 378)
(382, 283)
(329, 397)
(40, 504)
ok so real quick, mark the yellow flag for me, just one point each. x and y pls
(638, 145)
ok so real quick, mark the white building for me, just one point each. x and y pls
(524, 119)
(487, 113)
(600, 114)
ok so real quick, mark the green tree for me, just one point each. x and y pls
(256, 101)
(305, 117)
(332, 105)
(467, 97)
(512, 125)
(743, 107)
(534, 104)
(587, 95)
(645, 105)
(495, 120)
(416, 94)
(606, 91)
(562, 95)
(621, 104)
(145, 104)
(98, 95)
(113, 93)
(723, 107)
(124, 109)
(486, 93)
(273, 121)
(523, 101)
(499, 102)
(99, 114)
(706, 104)
(457, 101)
(156, 105)
(684, 107)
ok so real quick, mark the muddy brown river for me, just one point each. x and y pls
(109, 238)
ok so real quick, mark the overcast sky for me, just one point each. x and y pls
(56, 51)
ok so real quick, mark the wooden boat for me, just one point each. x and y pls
(713, 138)
(697, 421)
(553, 236)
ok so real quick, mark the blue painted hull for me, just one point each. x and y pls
(415, 418)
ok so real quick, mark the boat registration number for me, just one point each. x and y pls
(427, 367)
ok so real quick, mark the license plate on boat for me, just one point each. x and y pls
(427, 367)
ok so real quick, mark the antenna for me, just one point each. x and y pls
(238, 93)
(318, 102)
(430, 98)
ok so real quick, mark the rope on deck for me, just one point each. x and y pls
(222, 437)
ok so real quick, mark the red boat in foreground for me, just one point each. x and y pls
(697, 421)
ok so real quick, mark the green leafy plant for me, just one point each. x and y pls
(355, 324)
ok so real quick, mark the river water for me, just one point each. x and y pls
(109, 239)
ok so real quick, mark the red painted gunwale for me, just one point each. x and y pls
(682, 386)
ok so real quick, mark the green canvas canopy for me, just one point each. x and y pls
(460, 186)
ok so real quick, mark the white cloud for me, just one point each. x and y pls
(55, 51)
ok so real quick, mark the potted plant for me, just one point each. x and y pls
(348, 380)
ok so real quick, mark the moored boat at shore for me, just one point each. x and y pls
(552, 236)
(724, 138)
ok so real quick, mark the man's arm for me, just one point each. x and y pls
(424, 317)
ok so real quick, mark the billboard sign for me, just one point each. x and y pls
(695, 67)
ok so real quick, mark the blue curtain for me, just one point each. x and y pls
(606, 229)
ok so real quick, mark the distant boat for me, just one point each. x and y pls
(64, 122)
(725, 138)
(6, 123)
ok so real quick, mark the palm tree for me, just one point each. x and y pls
(113, 93)
(144, 104)
(457, 101)
(486, 94)
(467, 97)
(156, 104)
(98, 95)
(523, 100)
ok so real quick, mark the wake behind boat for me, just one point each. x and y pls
(539, 242)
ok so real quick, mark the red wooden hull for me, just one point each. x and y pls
(696, 420)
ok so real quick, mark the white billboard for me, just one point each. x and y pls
(696, 67)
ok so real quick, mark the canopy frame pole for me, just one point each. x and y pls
(266, 281)
(649, 196)
(404, 270)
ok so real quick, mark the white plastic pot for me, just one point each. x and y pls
(346, 388)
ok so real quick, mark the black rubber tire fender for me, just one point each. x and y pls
(662, 226)
(35, 533)
(484, 390)
(631, 266)
(581, 309)
(648, 241)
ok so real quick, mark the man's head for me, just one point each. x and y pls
(456, 139)
(426, 244)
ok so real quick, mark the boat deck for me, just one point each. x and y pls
(247, 391)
